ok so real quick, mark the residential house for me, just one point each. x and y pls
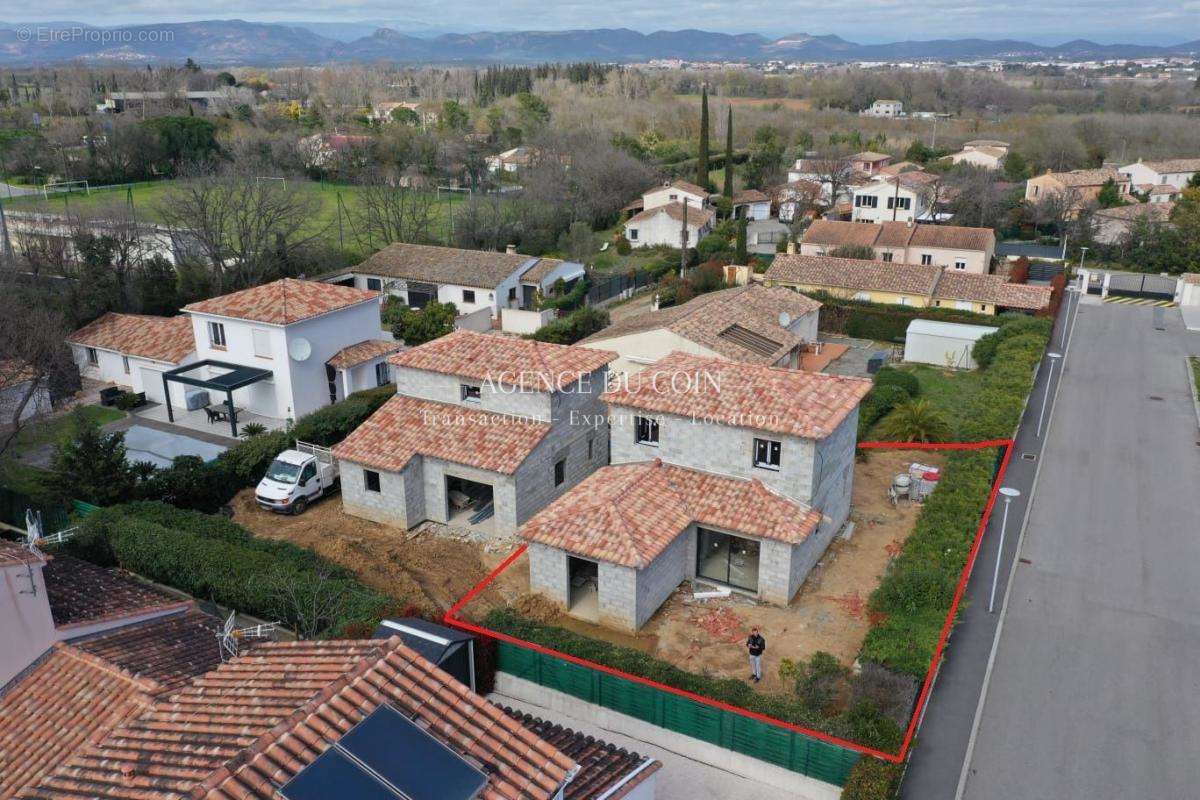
(722, 472)
(1158, 192)
(1113, 225)
(664, 225)
(677, 191)
(754, 324)
(24, 394)
(277, 719)
(1174, 172)
(133, 351)
(512, 160)
(321, 150)
(870, 162)
(472, 280)
(485, 429)
(382, 113)
(1081, 186)
(915, 285)
(752, 204)
(284, 349)
(799, 197)
(818, 171)
(884, 108)
(948, 246)
(907, 197)
(983, 153)
(900, 167)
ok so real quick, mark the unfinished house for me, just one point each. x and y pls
(484, 431)
(726, 473)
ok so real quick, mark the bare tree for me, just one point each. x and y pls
(244, 225)
(32, 354)
(835, 173)
(310, 606)
(388, 212)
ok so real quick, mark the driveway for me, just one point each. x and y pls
(1095, 691)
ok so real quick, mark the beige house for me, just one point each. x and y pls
(1114, 224)
(870, 162)
(753, 324)
(1082, 186)
(947, 246)
(983, 153)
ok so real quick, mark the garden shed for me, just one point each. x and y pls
(943, 344)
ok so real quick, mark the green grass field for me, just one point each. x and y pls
(947, 390)
(335, 222)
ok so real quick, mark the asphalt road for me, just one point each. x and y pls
(1095, 688)
(940, 747)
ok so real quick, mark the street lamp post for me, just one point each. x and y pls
(1054, 357)
(1009, 494)
(1082, 253)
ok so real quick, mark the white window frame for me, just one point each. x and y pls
(261, 340)
(125, 364)
(764, 451)
(93, 357)
(960, 263)
(378, 287)
(382, 376)
(216, 335)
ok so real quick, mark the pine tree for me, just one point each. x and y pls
(702, 155)
(727, 190)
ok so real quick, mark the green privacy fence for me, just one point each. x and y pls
(781, 746)
(13, 506)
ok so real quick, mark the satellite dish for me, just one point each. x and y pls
(299, 349)
(785, 319)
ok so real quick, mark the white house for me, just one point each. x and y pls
(677, 191)
(133, 351)
(752, 204)
(884, 108)
(286, 348)
(663, 225)
(983, 153)
(904, 198)
(511, 160)
(484, 431)
(470, 279)
(1174, 172)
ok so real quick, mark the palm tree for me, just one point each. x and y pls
(915, 421)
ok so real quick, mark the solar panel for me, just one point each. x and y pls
(754, 342)
(335, 775)
(408, 757)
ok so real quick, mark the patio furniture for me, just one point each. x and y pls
(220, 413)
(234, 377)
(194, 399)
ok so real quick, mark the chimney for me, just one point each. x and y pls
(127, 774)
(511, 249)
(791, 248)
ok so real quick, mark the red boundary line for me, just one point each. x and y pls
(451, 617)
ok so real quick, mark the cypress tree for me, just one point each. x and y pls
(740, 256)
(702, 155)
(728, 188)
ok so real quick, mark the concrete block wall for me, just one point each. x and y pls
(618, 596)
(775, 572)
(717, 448)
(549, 574)
(388, 505)
(834, 481)
(535, 476)
(656, 582)
(442, 388)
(504, 493)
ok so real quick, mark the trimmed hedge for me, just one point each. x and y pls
(872, 779)
(862, 723)
(884, 322)
(914, 596)
(215, 559)
(890, 376)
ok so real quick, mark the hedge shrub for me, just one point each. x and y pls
(863, 723)
(876, 405)
(890, 376)
(872, 779)
(215, 559)
(883, 322)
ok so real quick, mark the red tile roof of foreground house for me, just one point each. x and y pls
(507, 360)
(282, 302)
(788, 401)
(405, 427)
(363, 352)
(249, 726)
(68, 700)
(628, 514)
(166, 339)
(81, 593)
(12, 553)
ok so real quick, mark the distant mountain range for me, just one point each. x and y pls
(230, 42)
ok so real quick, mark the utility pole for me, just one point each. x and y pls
(683, 240)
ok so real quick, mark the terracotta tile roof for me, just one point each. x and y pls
(363, 352)
(835, 233)
(81, 593)
(422, 262)
(854, 274)
(987, 143)
(167, 650)
(750, 196)
(67, 701)
(1191, 278)
(891, 234)
(405, 427)
(602, 766)
(1085, 177)
(786, 401)
(695, 216)
(994, 152)
(1174, 165)
(508, 360)
(1157, 188)
(540, 269)
(13, 553)
(283, 302)
(628, 514)
(955, 237)
(899, 167)
(249, 726)
(682, 185)
(870, 156)
(705, 318)
(993, 289)
(1155, 212)
(166, 339)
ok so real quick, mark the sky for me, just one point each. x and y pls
(864, 21)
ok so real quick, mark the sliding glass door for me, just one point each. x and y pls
(727, 559)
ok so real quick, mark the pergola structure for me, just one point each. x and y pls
(237, 377)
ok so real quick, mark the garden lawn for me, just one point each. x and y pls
(58, 429)
(951, 392)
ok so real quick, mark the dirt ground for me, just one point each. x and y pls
(828, 613)
(418, 567)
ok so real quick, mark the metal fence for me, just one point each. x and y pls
(606, 288)
(771, 743)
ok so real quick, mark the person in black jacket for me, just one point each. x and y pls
(756, 645)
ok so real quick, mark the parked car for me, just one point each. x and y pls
(297, 477)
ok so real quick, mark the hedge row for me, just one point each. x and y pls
(862, 723)
(882, 322)
(215, 559)
(914, 596)
(892, 387)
